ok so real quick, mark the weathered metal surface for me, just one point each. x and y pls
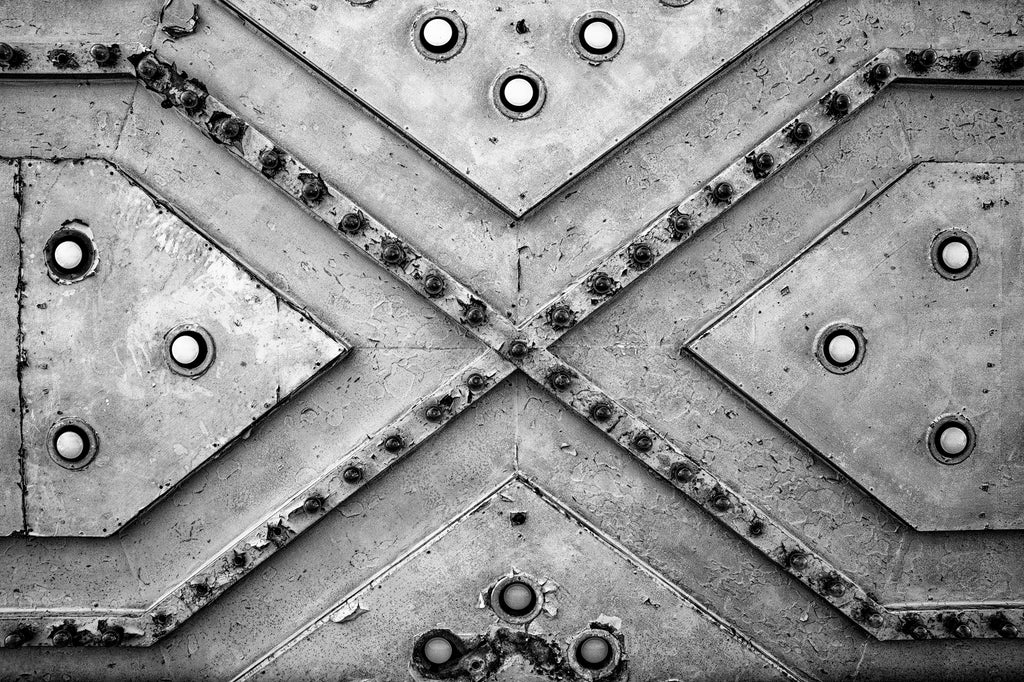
(931, 346)
(369, 51)
(625, 359)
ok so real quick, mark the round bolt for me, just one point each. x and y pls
(202, 589)
(393, 254)
(70, 445)
(683, 473)
(840, 104)
(6, 54)
(518, 598)
(394, 443)
(561, 380)
(721, 502)
(434, 285)
(643, 442)
(102, 54)
(879, 73)
(110, 637)
(641, 255)
(723, 192)
(560, 316)
(601, 284)
(68, 255)
(61, 58)
(802, 132)
(438, 34)
(519, 93)
(970, 60)
(63, 638)
(231, 129)
(1008, 630)
(918, 630)
(601, 412)
(593, 652)
(312, 189)
(188, 99)
(150, 69)
(476, 382)
(953, 440)
(841, 348)
(598, 36)
(270, 160)
(438, 650)
(963, 631)
(14, 639)
(1015, 61)
(185, 349)
(680, 223)
(873, 619)
(433, 413)
(313, 505)
(927, 58)
(476, 315)
(756, 528)
(239, 559)
(518, 349)
(352, 474)
(352, 222)
(835, 588)
(955, 254)
(798, 560)
(764, 162)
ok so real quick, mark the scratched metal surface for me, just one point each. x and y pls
(427, 527)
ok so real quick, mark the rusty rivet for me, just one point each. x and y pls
(963, 631)
(103, 54)
(601, 412)
(683, 472)
(517, 518)
(434, 285)
(188, 99)
(969, 61)
(1016, 60)
(561, 316)
(839, 105)
(518, 349)
(352, 222)
(643, 442)
(239, 559)
(756, 528)
(923, 60)
(7, 54)
(394, 443)
(679, 224)
(835, 587)
(560, 380)
(798, 560)
(433, 413)
(313, 189)
(62, 59)
(763, 163)
(112, 636)
(872, 618)
(63, 637)
(476, 314)
(150, 69)
(1008, 630)
(270, 160)
(601, 284)
(475, 381)
(202, 589)
(641, 255)
(393, 254)
(915, 627)
(879, 73)
(802, 131)
(15, 638)
(723, 192)
(313, 505)
(721, 502)
(352, 474)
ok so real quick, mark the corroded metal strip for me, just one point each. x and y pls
(680, 223)
(350, 473)
(63, 60)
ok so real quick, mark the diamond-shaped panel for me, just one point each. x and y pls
(96, 349)
(934, 347)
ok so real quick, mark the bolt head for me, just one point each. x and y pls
(150, 69)
(239, 559)
(683, 473)
(641, 255)
(433, 413)
(880, 73)
(874, 619)
(14, 640)
(679, 224)
(269, 159)
(313, 505)
(802, 131)
(756, 528)
(6, 53)
(723, 191)
(202, 589)
(721, 503)
(231, 130)
(352, 222)
(927, 57)
(1008, 630)
(189, 99)
(643, 442)
(835, 588)
(919, 631)
(601, 412)
(963, 631)
(561, 380)
(394, 443)
(476, 314)
(798, 560)
(601, 284)
(518, 349)
(110, 638)
(1016, 60)
(764, 162)
(434, 284)
(560, 316)
(312, 190)
(352, 474)
(62, 638)
(393, 254)
(101, 54)
(476, 381)
(970, 60)
(840, 104)
(60, 58)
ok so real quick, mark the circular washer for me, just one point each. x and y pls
(594, 654)
(840, 347)
(597, 36)
(951, 439)
(439, 34)
(954, 254)
(437, 649)
(70, 255)
(517, 598)
(72, 431)
(519, 93)
(178, 351)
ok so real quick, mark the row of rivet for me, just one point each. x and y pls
(671, 229)
(70, 59)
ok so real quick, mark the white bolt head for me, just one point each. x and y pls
(68, 255)
(598, 35)
(953, 440)
(70, 445)
(955, 255)
(594, 650)
(438, 32)
(841, 348)
(517, 597)
(518, 91)
(185, 349)
(438, 650)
